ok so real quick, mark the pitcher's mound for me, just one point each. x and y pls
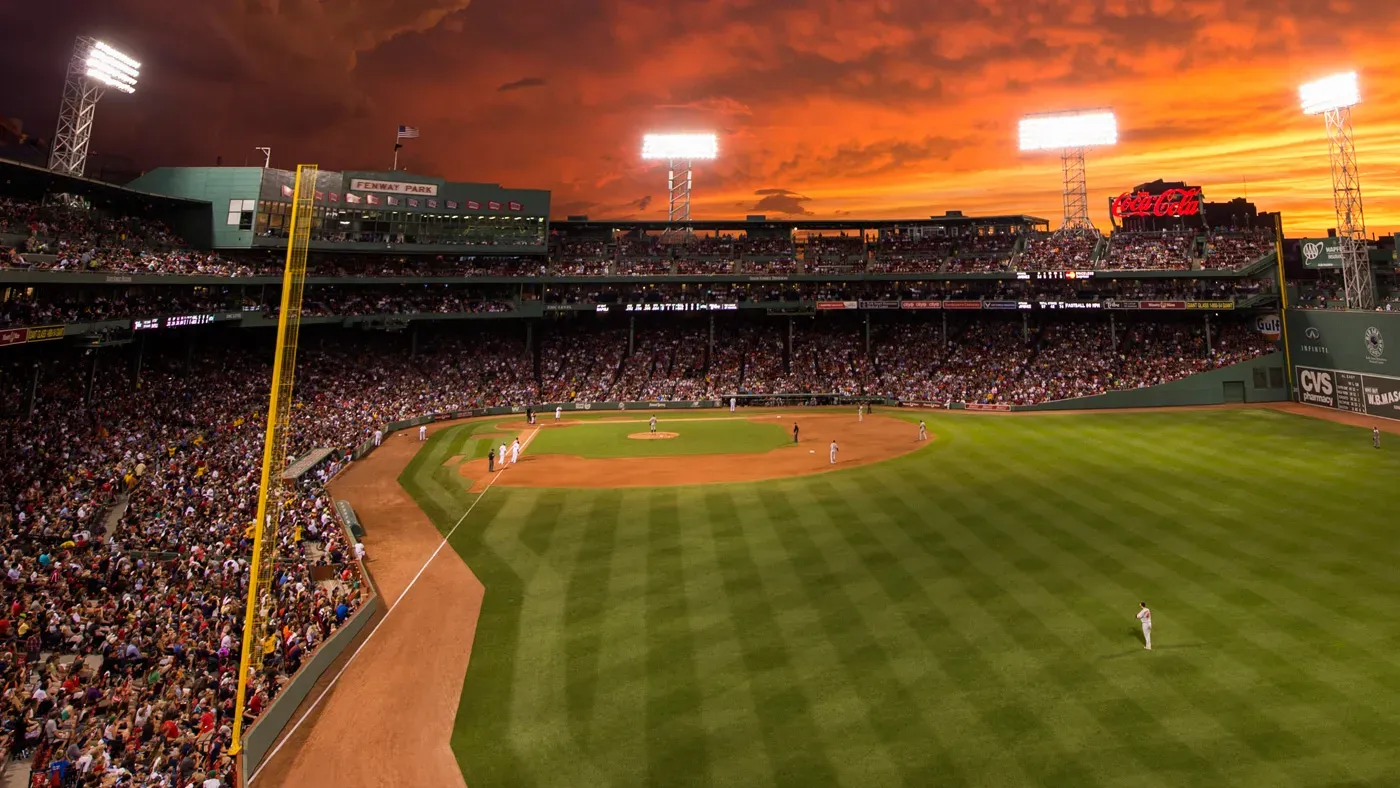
(653, 436)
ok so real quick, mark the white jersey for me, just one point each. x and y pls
(1145, 616)
(557, 413)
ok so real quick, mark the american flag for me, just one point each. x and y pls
(408, 133)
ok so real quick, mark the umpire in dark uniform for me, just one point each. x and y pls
(794, 432)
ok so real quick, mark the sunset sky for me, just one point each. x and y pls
(883, 109)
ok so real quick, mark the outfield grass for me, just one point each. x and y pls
(960, 616)
(717, 436)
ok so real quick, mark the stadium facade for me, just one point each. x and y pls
(490, 255)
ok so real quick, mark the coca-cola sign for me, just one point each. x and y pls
(1172, 202)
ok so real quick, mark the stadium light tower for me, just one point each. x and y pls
(92, 69)
(679, 150)
(1333, 97)
(1071, 133)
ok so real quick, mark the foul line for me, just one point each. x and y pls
(392, 607)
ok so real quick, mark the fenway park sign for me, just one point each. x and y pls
(1172, 202)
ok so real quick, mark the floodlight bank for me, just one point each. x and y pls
(1329, 93)
(680, 146)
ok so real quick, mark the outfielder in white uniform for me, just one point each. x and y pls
(515, 452)
(501, 458)
(653, 424)
(558, 412)
(1376, 437)
(423, 433)
(1145, 616)
(923, 430)
(378, 437)
(860, 413)
(833, 452)
(731, 404)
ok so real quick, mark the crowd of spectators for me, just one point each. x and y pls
(1059, 252)
(1149, 251)
(1229, 251)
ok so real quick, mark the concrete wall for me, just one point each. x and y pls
(215, 185)
(1207, 388)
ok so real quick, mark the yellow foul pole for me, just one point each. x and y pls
(271, 491)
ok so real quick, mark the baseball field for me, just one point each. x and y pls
(956, 612)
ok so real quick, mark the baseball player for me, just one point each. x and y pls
(732, 403)
(515, 452)
(423, 432)
(529, 415)
(558, 413)
(378, 437)
(653, 425)
(1376, 437)
(860, 412)
(1145, 616)
(923, 430)
(794, 432)
(501, 457)
(833, 452)
(490, 462)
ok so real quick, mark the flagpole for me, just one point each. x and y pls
(395, 168)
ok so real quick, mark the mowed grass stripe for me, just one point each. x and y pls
(617, 729)
(779, 688)
(732, 724)
(835, 594)
(1056, 754)
(586, 604)
(1274, 742)
(901, 706)
(677, 752)
(1313, 618)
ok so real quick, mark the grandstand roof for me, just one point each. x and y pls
(28, 180)
(951, 219)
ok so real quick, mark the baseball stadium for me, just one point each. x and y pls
(377, 478)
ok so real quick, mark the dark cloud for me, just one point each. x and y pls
(522, 84)
(781, 201)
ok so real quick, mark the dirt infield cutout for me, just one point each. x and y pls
(653, 436)
(859, 442)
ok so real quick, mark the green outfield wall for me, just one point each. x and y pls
(1347, 361)
(1258, 380)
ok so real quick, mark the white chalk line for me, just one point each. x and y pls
(392, 607)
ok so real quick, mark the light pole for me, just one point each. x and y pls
(678, 151)
(1333, 97)
(1071, 133)
(267, 156)
(92, 69)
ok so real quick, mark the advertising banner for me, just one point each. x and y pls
(1322, 253)
(20, 336)
(1116, 304)
(1211, 305)
(980, 406)
(1006, 305)
(1362, 342)
(1172, 202)
(879, 304)
(921, 305)
(1382, 396)
(962, 304)
(1161, 305)
(1270, 326)
(837, 305)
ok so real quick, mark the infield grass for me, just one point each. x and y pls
(961, 616)
(605, 440)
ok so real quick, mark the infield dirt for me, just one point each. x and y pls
(875, 439)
